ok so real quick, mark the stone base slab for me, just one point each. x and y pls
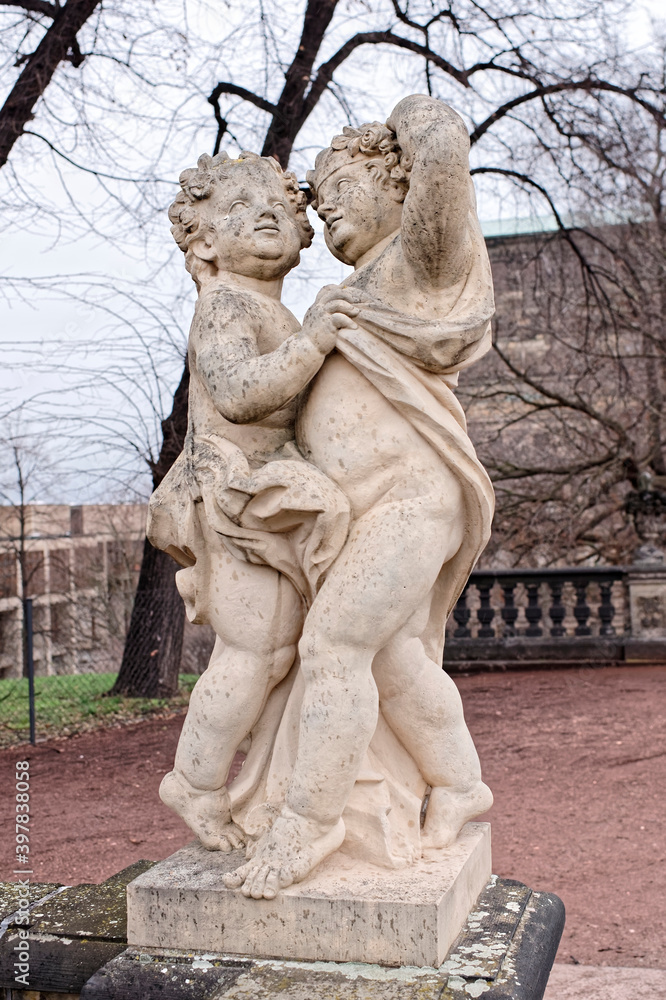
(346, 911)
(504, 952)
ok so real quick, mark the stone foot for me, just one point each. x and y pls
(207, 813)
(291, 849)
(448, 810)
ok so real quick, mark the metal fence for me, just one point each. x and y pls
(38, 705)
(60, 699)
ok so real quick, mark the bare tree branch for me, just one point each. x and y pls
(34, 6)
(327, 69)
(524, 179)
(247, 95)
(587, 85)
(58, 41)
(289, 112)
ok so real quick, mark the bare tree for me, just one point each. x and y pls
(569, 409)
(285, 72)
(59, 42)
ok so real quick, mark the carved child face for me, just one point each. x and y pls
(251, 225)
(360, 205)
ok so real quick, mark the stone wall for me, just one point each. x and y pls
(81, 565)
(565, 415)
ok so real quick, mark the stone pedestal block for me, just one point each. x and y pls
(346, 911)
(504, 952)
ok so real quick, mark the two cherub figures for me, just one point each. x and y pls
(328, 505)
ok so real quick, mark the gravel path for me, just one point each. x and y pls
(576, 759)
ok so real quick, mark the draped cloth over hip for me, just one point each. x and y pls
(414, 362)
(286, 514)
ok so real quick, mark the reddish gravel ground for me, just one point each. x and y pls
(576, 759)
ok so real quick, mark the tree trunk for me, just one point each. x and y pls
(291, 108)
(58, 43)
(151, 657)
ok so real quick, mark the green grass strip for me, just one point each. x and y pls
(70, 703)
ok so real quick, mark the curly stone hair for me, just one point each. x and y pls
(371, 140)
(197, 184)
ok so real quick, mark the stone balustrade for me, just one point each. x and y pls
(593, 614)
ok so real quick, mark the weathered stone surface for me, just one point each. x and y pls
(647, 603)
(345, 911)
(57, 964)
(486, 938)
(71, 933)
(361, 982)
(522, 973)
(139, 974)
(10, 895)
(504, 952)
(90, 911)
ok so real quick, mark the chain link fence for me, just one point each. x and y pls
(69, 704)
(75, 571)
(36, 704)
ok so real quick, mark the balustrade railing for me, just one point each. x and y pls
(551, 616)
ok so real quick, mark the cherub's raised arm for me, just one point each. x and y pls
(435, 215)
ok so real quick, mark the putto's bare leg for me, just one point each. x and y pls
(423, 707)
(389, 565)
(259, 614)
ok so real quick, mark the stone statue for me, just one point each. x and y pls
(328, 506)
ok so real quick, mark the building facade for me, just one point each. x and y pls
(79, 564)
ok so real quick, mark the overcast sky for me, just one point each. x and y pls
(32, 320)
